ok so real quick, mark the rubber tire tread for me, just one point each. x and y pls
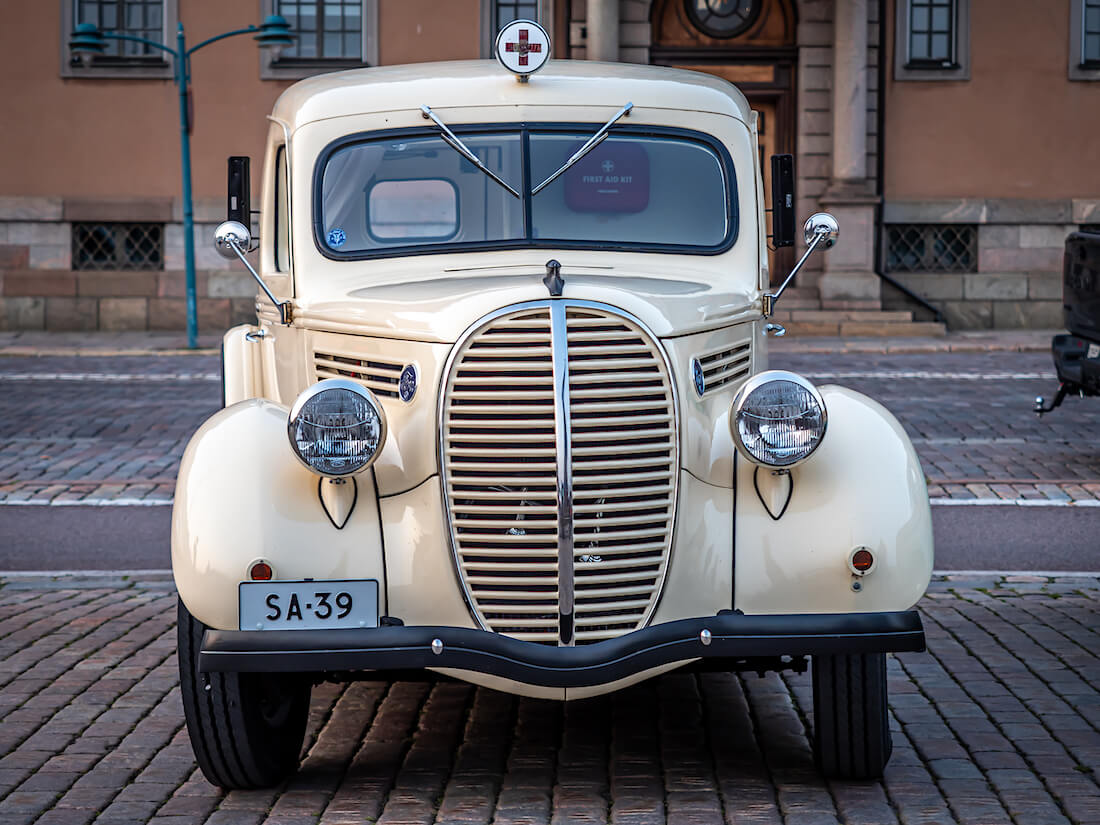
(234, 747)
(851, 717)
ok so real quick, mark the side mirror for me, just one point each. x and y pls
(821, 230)
(823, 224)
(238, 205)
(783, 200)
(232, 240)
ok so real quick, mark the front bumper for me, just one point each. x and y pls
(731, 636)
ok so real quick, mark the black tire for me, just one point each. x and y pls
(246, 728)
(851, 724)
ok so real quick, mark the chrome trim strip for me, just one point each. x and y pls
(559, 339)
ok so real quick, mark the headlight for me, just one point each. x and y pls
(337, 427)
(777, 418)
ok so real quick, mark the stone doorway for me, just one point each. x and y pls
(750, 43)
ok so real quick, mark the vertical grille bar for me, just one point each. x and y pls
(560, 341)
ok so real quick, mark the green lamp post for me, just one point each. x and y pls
(87, 41)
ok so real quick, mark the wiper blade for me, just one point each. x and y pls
(589, 145)
(452, 140)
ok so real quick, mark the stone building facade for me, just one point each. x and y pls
(956, 141)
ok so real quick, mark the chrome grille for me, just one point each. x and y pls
(501, 428)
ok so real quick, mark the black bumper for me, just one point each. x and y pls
(731, 636)
(1075, 369)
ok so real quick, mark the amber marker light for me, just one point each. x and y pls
(260, 572)
(862, 561)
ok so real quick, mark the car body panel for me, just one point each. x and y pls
(863, 487)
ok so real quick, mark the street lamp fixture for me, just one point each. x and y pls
(87, 41)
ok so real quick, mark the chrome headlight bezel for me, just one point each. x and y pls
(310, 394)
(737, 409)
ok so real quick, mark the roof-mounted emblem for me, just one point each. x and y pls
(523, 47)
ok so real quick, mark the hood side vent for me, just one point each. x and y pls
(380, 377)
(725, 366)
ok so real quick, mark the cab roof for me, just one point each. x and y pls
(485, 83)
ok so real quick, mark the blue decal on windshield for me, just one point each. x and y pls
(337, 238)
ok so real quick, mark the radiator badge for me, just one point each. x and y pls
(406, 387)
(697, 376)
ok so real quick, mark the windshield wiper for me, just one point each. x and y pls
(452, 140)
(591, 144)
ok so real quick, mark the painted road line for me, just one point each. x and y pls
(959, 442)
(91, 502)
(934, 376)
(110, 377)
(1016, 502)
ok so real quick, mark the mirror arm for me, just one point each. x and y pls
(768, 299)
(282, 306)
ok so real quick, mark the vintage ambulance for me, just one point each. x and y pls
(506, 416)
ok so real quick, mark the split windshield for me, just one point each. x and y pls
(641, 190)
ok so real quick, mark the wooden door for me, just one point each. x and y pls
(760, 61)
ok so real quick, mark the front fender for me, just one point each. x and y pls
(243, 496)
(862, 487)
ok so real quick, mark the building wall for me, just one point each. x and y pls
(1011, 151)
(98, 149)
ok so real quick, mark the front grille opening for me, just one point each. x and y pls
(500, 464)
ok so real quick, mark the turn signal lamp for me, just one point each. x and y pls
(260, 572)
(861, 561)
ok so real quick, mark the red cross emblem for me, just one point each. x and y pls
(523, 47)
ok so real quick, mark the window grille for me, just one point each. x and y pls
(505, 11)
(140, 18)
(323, 30)
(932, 33)
(931, 247)
(114, 246)
(1090, 35)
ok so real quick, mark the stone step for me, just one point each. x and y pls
(837, 315)
(799, 297)
(865, 329)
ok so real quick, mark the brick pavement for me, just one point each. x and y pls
(998, 723)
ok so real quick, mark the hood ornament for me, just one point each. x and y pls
(553, 279)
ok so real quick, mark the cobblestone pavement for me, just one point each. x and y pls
(110, 429)
(998, 723)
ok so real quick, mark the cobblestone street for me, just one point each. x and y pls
(998, 723)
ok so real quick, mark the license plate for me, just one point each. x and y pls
(1094, 351)
(308, 605)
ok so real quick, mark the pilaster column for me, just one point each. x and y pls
(849, 281)
(602, 24)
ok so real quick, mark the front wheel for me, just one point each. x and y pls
(851, 724)
(246, 728)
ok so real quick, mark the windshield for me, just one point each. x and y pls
(642, 189)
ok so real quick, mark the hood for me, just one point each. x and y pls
(440, 309)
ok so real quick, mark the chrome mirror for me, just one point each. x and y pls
(230, 236)
(232, 240)
(821, 223)
(822, 230)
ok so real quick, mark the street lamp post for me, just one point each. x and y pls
(87, 41)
